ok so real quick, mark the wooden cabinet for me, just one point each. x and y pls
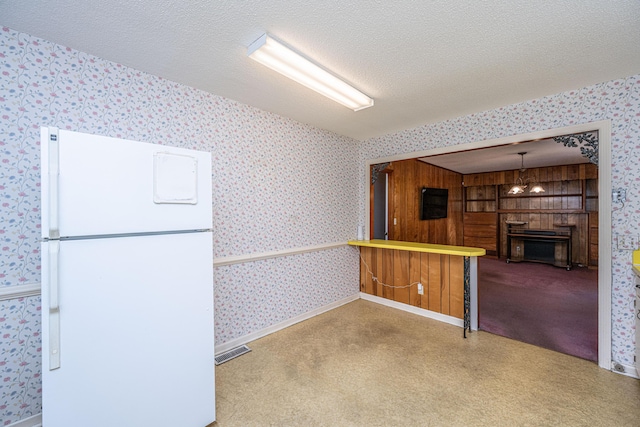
(591, 204)
(591, 195)
(593, 239)
(481, 231)
(480, 214)
(481, 198)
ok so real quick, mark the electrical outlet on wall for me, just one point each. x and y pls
(618, 195)
(627, 242)
(420, 289)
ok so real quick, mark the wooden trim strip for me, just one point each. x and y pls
(19, 291)
(32, 289)
(241, 259)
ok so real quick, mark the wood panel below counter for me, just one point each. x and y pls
(441, 275)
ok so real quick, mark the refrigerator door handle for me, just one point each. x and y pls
(54, 306)
(54, 173)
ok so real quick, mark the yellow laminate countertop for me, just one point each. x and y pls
(636, 262)
(420, 247)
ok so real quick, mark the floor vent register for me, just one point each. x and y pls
(231, 354)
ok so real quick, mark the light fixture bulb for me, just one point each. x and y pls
(537, 188)
(517, 189)
(273, 54)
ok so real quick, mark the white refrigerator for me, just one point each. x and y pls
(127, 283)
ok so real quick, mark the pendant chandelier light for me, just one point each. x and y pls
(523, 180)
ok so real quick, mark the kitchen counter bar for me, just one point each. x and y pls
(420, 247)
(437, 281)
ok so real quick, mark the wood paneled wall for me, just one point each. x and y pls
(546, 174)
(570, 198)
(409, 177)
(442, 277)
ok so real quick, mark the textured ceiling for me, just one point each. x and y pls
(422, 61)
(542, 153)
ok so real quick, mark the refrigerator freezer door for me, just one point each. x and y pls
(637, 311)
(136, 332)
(95, 185)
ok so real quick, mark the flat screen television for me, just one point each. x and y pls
(434, 203)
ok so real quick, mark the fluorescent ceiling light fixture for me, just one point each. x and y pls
(280, 58)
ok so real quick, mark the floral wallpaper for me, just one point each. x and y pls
(278, 184)
(618, 101)
(249, 296)
(20, 359)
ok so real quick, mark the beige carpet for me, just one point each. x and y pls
(368, 365)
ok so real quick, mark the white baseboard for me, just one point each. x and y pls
(415, 310)
(34, 421)
(278, 326)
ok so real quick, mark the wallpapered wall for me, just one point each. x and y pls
(617, 100)
(278, 184)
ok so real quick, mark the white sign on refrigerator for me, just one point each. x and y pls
(175, 178)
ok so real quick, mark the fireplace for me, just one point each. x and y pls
(540, 250)
(539, 245)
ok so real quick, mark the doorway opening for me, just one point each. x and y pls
(380, 206)
(602, 233)
(540, 304)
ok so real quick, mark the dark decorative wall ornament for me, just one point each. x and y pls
(588, 143)
(467, 297)
(376, 169)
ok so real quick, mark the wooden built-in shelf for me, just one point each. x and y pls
(545, 211)
(528, 196)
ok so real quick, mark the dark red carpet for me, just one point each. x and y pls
(541, 305)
